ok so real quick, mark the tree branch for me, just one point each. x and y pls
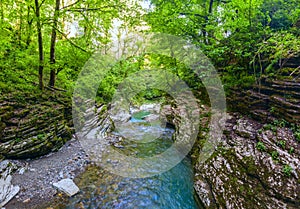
(70, 5)
(192, 14)
(71, 42)
(90, 9)
(32, 7)
(42, 3)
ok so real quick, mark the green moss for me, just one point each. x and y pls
(5, 109)
(40, 136)
(275, 155)
(17, 140)
(260, 146)
(287, 170)
(250, 167)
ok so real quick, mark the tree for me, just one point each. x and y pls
(52, 44)
(40, 43)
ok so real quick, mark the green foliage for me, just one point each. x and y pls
(280, 14)
(282, 143)
(40, 136)
(260, 146)
(244, 40)
(275, 155)
(281, 123)
(277, 48)
(297, 135)
(17, 140)
(292, 150)
(272, 109)
(287, 170)
(270, 126)
(127, 68)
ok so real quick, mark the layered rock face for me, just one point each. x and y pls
(254, 167)
(257, 165)
(33, 127)
(271, 99)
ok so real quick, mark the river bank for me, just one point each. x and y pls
(35, 177)
(256, 163)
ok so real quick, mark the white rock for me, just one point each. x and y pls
(67, 186)
(151, 118)
(155, 108)
(7, 190)
(22, 171)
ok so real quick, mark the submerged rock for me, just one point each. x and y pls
(67, 186)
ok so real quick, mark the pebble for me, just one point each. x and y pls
(61, 173)
(41, 173)
(22, 171)
(27, 200)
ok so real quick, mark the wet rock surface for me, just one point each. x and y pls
(256, 166)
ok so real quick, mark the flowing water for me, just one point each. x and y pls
(170, 190)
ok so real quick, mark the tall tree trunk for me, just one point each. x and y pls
(29, 27)
(205, 32)
(20, 27)
(211, 2)
(52, 46)
(40, 43)
(2, 12)
(250, 14)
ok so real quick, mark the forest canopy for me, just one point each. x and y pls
(45, 43)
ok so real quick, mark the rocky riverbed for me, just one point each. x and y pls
(256, 164)
(35, 177)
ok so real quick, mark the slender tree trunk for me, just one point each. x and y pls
(2, 12)
(20, 27)
(52, 46)
(211, 2)
(29, 27)
(40, 43)
(250, 14)
(205, 32)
